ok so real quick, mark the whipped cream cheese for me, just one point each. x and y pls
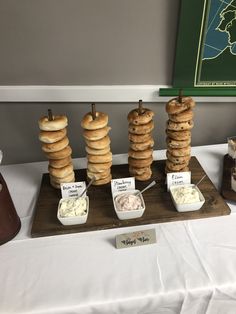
(70, 207)
(185, 195)
(128, 201)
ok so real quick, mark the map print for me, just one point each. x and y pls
(216, 62)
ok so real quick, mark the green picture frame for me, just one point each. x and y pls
(205, 60)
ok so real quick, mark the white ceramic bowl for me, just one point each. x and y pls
(190, 206)
(73, 220)
(129, 214)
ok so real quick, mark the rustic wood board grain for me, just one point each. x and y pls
(159, 207)
(226, 190)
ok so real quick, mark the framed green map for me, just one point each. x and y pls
(206, 47)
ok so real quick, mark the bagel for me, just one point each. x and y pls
(134, 138)
(99, 175)
(54, 184)
(182, 117)
(99, 122)
(180, 126)
(138, 171)
(177, 144)
(59, 163)
(184, 169)
(174, 107)
(98, 159)
(177, 160)
(140, 154)
(179, 135)
(65, 152)
(140, 163)
(142, 146)
(102, 181)
(52, 136)
(96, 152)
(178, 152)
(142, 128)
(61, 172)
(58, 123)
(99, 144)
(136, 118)
(67, 179)
(93, 167)
(176, 167)
(145, 176)
(55, 147)
(94, 135)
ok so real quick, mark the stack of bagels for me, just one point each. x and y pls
(178, 130)
(99, 156)
(55, 145)
(141, 142)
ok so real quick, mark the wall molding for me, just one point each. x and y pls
(93, 93)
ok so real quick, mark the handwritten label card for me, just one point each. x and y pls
(73, 189)
(137, 238)
(124, 184)
(178, 178)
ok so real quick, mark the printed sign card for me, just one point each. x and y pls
(121, 185)
(137, 238)
(178, 178)
(73, 189)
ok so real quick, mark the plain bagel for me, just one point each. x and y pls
(65, 152)
(100, 158)
(59, 163)
(61, 172)
(94, 135)
(99, 122)
(52, 136)
(99, 144)
(138, 171)
(136, 118)
(54, 147)
(93, 167)
(58, 123)
(95, 152)
(103, 181)
(99, 175)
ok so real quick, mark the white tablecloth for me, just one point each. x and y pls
(191, 268)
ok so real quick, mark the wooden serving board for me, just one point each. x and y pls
(226, 190)
(159, 207)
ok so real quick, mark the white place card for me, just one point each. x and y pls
(73, 189)
(178, 178)
(137, 238)
(121, 185)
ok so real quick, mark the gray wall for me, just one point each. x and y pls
(88, 42)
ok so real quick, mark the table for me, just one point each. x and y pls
(191, 268)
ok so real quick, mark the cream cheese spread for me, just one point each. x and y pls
(128, 201)
(185, 195)
(70, 207)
